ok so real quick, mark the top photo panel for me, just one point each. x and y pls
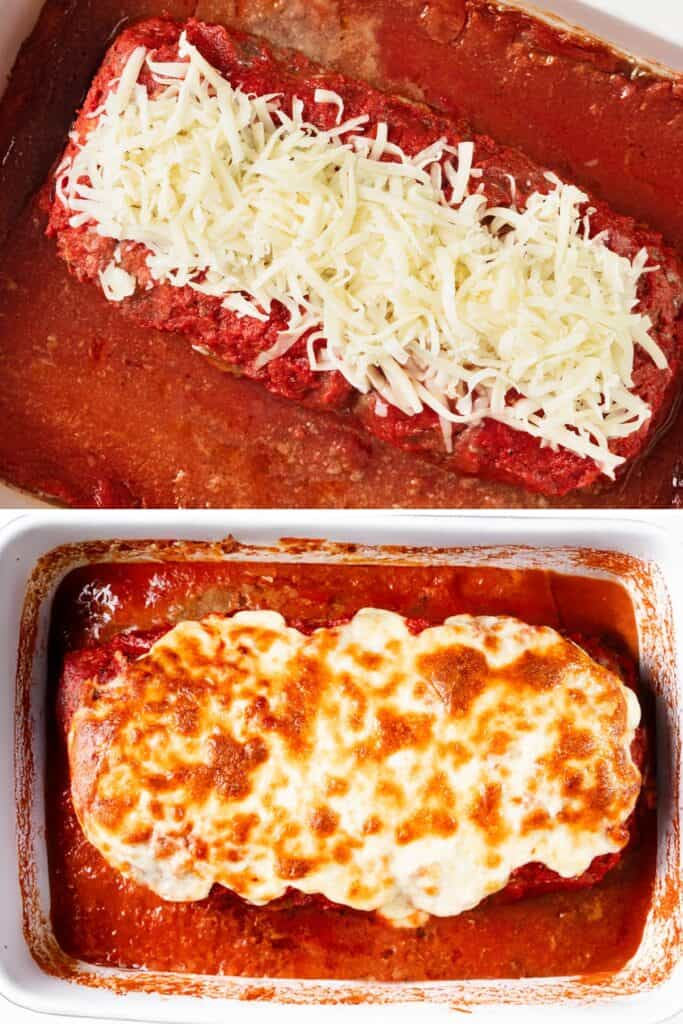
(341, 253)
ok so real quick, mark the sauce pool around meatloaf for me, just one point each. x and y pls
(490, 449)
(100, 917)
(207, 924)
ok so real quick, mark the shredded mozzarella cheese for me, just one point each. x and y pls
(415, 288)
(116, 283)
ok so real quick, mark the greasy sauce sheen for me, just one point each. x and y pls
(102, 917)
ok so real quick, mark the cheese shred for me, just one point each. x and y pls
(413, 287)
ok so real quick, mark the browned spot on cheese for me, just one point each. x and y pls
(573, 744)
(231, 764)
(485, 811)
(293, 867)
(336, 786)
(241, 826)
(199, 848)
(390, 791)
(369, 660)
(438, 788)
(140, 835)
(343, 851)
(87, 749)
(291, 829)
(456, 752)
(324, 821)
(170, 661)
(597, 797)
(537, 819)
(572, 783)
(427, 822)
(541, 670)
(605, 785)
(458, 675)
(112, 811)
(359, 702)
(358, 891)
(302, 694)
(261, 638)
(372, 825)
(186, 712)
(396, 730)
(165, 846)
(500, 742)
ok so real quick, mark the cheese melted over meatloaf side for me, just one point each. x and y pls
(379, 764)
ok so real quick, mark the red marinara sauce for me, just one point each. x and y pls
(100, 917)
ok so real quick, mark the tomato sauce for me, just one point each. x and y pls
(87, 397)
(100, 917)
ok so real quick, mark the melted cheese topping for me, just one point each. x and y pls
(397, 276)
(409, 775)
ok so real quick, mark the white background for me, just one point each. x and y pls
(663, 21)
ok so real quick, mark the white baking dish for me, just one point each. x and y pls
(652, 571)
(653, 30)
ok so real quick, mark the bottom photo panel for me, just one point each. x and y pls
(341, 765)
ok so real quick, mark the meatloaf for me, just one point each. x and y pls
(489, 448)
(87, 673)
